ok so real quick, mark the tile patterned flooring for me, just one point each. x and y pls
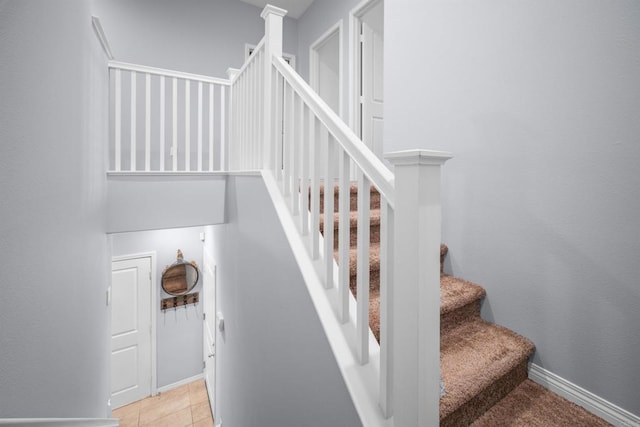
(186, 406)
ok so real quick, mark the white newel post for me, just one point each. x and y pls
(416, 287)
(273, 17)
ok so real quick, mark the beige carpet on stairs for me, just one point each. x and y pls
(484, 365)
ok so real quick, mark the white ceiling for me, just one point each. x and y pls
(294, 8)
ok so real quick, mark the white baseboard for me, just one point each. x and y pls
(589, 401)
(177, 384)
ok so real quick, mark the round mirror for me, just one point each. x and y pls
(180, 277)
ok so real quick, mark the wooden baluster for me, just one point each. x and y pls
(174, 146)
(288, 139)
(162, 121)
(295, 154)
(117, 120)
(211, 124)
(344, 238)
(199, 130)
(187, 125)
(386, 305)
(278, 137)
(134, 108)
(304, 173)
(223, 138)
(328, 209)
(363, 253)
(314, 137)
(147, 123)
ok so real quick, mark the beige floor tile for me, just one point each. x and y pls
(128, 415)
(181, 418)
(165, 396)
(164, 407)
(200, 411)
(198, 392)
(186, 405)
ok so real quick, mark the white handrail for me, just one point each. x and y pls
(380, 176)
(168, 73)
(250, 59)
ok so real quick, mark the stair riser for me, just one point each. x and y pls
(491, 395)
(456, 317)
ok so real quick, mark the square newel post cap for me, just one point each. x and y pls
(417, 157)
(232, 73)
(272, 10)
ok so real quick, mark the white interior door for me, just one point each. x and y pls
(209, 338)
(372, 98)
(130, 330)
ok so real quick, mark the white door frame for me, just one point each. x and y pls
(154, 306)
(207, 263)
(355, 78)
(314, 63)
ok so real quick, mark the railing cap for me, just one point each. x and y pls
(232, 72)
(417, 157)
(270, 9)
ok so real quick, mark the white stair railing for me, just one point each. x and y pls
(166, 121)
(281, 125)
(247, 101)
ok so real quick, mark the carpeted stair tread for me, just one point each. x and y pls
(475, 355)
(456, 293)
(531, 405)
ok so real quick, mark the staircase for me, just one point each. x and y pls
(484, 365)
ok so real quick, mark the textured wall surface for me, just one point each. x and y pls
(273, 362)
(196, 36)
(539, 103)
(54, 338)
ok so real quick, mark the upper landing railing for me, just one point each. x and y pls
(166, 121)
(281, 126)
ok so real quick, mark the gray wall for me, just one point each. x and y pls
(197, 36)
(137, 203)
(274, 365)
(539, 101)
(179, 332)
(54, 338)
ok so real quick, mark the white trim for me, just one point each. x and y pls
(249, 48)
(589, 401)
(154, 304)
(169, 173)
(167, 73)
(102, 38)
(355, 21)
(313, 62)
(61, 422)
(166, 388)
